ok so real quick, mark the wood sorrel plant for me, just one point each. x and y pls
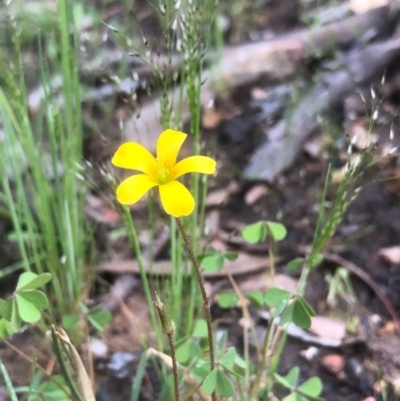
(177, 201)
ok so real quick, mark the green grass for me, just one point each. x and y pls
(42, 185)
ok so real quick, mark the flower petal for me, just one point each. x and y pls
(176, 199)
(134, 156)
(194, 164)
(168, 146)
(133, 188)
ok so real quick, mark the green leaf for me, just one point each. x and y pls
(35, 297)
(231, 255)
(312, 387)
(31, 281)
(25, 278)
(277, 230)
(294, 264)
(27, 311)
(275, 296)
(212, 263)
(300, 315)
(5, 329)
(188, 351)
(228, 360)
(201, 369)
(227, 300)
(15, 318)
(256, 298)
(290, 380)
(100, 319)
(210, 382)
(6, 309)
(287, 315)
(279, 309)
(254, 233)
(69, 321)
(200, 329)
(307, 307)
(224, 385)
(240, 362)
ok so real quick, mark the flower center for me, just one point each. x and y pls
(163, 173)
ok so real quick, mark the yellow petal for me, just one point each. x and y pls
(194, 164)
(168, 146)
(134, 156)
(133, 188)
(176, 199)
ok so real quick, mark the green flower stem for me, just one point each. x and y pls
(206, 301)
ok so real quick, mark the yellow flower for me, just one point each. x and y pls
(161, 171)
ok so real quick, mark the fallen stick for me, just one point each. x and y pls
(358, 69)
(274, 60)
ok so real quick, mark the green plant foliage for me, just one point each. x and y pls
(295, 264)
(25, 304)
(100, 319)
(275, 296)
(200, 329)
(224, 385)
(69, 321)
(188, 351)
(213, 260)
(276, 230)
(31, 281)
(256, 298)
(228, 360)
(51, 390)
(254, 233)
(227, 300)
(210, 382)
(309, 390)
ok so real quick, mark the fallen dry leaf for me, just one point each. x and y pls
(254, 194)
(391, 254)
(328, 327)
(217, 197)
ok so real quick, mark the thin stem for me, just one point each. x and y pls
(263, 361)
(174, 365)
(206, 301)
